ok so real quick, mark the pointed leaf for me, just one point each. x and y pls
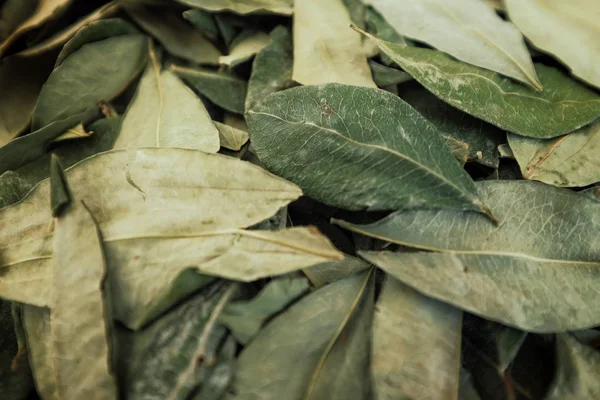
(165, 112)
(570, 160)
(577, 370)
(244, 48)
(312, 331)
(243, 7)
(245, 318)
(358, 148)
(175, 34)
(272, 68)
(78, 321)
(231, 138)
(416, 345)
(325, 49)
(563, 29)
(468, 30)
(111, 64)
(502, 102)
(386, 76)
(224, 90)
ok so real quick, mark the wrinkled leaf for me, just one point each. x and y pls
(292, 356)
(165, 112)
(416, 345)
(45, 10)
(244, 48)
(78, 320)
(468, 30)
(570, 160)
(182, 351)
(497, 100)
(12, 188)
(482, 138)
(358, 148)
(243, 6)
(563, 29)
(21, 80)
(231, 138)
(244, 318)
(272, 68)
(325, 49)
(176, 34)
(111, 64)
(577, 370)
(223, 89)
(95, 31)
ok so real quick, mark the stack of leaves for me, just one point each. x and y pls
(299, 199)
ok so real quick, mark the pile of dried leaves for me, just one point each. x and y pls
(319, 199)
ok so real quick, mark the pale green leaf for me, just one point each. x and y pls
(468, 30)
(314, 350)
(415, 345)
(79, 323)
(175, 34)
(231, 138)
(272, 68)
(225, 90)
(324, 274)
(593, 192)
(565, 29)
(21, 80)
(179, 354)
(203, 21)
(95, 31)
(12, 188)
(325, 49)
(563, 106)
(243, 6)
(244, 318)
(165, 112)
(482, 138)
(386, 76)
(570, 160)
(358, 148)
(577, 370)
(244, 47)
(111, 64)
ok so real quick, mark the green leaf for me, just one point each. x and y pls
(231, 138)
(545, 247)
(79, 320)
(272, 68)
(111, 65)
(95, 31)
(570, 160)
(562, 29)
(165, 112)
(468, 30)
(60, 194)
(21, 80)
(577, 369)
(482, 138)
(324, 274)
(225, 90)
(182, 351)
(25, 149)
(314, 350)
(593, 192)
(466, 390)
(243, 7)
(175, 34)
(502, 102)
(12, 188)
(416, 345)
(358, 148)
(325, 49)
(244, 47)
(386, 76)
(245, 318)
(203, 21)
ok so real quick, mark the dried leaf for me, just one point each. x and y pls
(468, 30)
(570, 160)
(405, 324)
(243, 6)
(378, 157)
(231, 138)
(324, 274)
(502, 102)
(244, 48)
(563, 29)
(325, 49)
